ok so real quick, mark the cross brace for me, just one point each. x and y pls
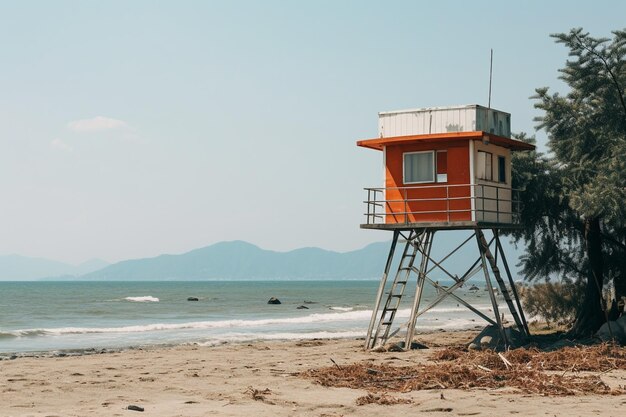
(418, 244)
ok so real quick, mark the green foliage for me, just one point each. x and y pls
(550, 230)
(574, 203)
(556, 303)
(587, 127)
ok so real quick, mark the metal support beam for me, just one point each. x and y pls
(426, 245)
(452, 252)
(494, 302)
(513, 288)
(381, 287)
(447, 292)
(419, 242)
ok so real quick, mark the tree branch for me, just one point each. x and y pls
(607, 67)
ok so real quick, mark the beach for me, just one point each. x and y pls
(262, 378)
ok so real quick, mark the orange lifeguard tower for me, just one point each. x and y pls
(446, 168)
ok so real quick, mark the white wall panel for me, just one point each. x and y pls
(444, 119)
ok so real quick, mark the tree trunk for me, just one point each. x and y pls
(591, 314)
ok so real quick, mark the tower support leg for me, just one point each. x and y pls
(426, 244)
(420, 241)
(381, 289)
(494, 303)
(512, 284)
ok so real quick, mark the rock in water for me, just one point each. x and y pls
(192, 298)
(274, 300)
(302, 308)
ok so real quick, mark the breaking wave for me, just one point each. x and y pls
(143, 299)
(217, 324)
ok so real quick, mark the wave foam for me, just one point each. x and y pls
(360, 316)
(143, 299)
(218, 324)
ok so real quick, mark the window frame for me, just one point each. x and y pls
(437, 174)
(502, 173)
(488, 175)
(433, 156)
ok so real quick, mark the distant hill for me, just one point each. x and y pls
(16, 267)
(90, 266)
(242, 260)
(238, 260)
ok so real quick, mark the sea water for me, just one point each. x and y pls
(49, 316)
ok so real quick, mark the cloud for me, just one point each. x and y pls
(59, 144)
(96, 124)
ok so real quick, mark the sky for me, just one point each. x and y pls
(132, 129)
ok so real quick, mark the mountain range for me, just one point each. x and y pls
(234, 260)
(224, 260)
(242, 260)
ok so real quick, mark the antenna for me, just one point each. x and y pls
(490, 75)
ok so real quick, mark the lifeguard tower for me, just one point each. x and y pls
(446, 168)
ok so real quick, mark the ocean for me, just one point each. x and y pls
(79, 316)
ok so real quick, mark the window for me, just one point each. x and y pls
(501, 169)
(483, 166)
(442, 166)
(419, 167)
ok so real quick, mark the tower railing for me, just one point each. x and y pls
(488, 203)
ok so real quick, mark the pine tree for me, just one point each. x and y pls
(575, 198)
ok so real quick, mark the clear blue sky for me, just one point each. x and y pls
(130, 129)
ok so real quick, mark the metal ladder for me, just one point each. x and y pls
(380, 336)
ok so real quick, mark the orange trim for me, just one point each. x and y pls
(379, 143)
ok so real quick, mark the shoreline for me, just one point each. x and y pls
(76, 352)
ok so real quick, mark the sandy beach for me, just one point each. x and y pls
(257, 379)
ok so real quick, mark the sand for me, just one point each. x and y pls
(221, 380)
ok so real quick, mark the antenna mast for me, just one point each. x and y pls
(490, 75)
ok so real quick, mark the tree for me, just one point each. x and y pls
(575, 198)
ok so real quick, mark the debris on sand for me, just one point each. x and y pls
(259, 395)
(382, 399)
(555, 373)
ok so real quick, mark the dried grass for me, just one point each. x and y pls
(526, 370)
(596, 358)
